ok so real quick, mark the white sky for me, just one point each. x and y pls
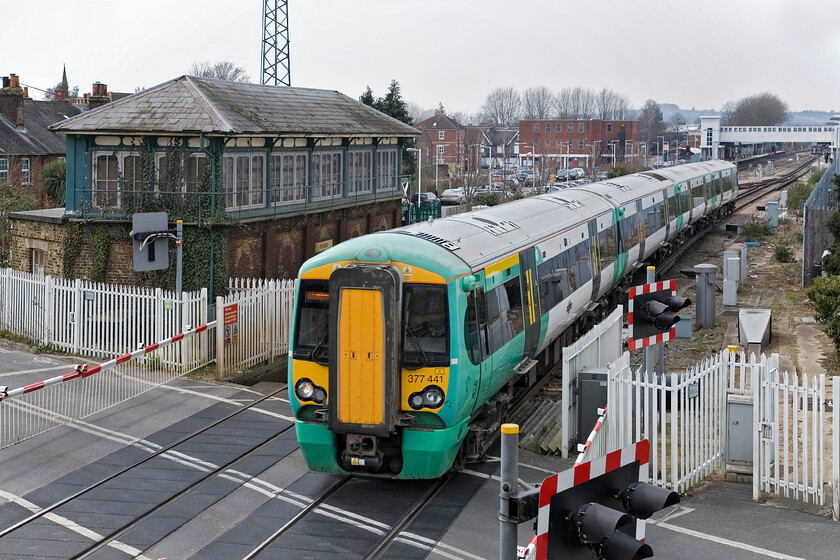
(694, 53)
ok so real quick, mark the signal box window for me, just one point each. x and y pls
(425, 336)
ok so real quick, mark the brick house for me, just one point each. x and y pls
(26, 143)
(562, 143)
(455, 149)
(263, 178)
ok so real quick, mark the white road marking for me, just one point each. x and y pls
(723, 541)
(67, 367)
(73, 526)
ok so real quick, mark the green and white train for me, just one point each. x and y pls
(408, 344)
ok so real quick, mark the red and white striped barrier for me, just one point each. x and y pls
(633, 343)
(592, 435)
(584, 472)
(83, 371)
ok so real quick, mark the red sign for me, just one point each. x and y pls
(231, 314)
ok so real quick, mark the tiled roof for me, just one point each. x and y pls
(35, 138)
(192, 105)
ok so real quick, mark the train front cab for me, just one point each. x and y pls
(371, 373)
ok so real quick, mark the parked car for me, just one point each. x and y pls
(562, 175)
(660, 164)
(601, 176)
(576, 173)
(425, 198)
(453, 196)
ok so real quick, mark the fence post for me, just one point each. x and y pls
(756, 394)
(77, 316)
(220, 338)
(835, 449)
(49, 310)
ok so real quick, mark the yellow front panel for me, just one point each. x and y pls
(415, 380)
(360, 357)
(318, 374)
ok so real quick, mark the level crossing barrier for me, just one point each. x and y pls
(35, 408)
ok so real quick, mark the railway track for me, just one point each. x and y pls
(122, 501)
(746, 197)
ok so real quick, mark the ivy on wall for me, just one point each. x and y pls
(72, 246)
(100, 249)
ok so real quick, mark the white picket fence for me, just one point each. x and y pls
(102, 320)
(262, 327)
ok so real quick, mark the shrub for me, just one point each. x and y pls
(783, 252)
(485, 199)
(825, 293)
(54, 181)
(755, 231)
(617, 171)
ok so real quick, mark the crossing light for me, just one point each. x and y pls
(652, 313)
(600, 518)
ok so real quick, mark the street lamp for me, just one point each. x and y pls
(419, 176)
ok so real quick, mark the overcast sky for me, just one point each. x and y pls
(694, 53)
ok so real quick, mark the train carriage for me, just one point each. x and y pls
(407, 344)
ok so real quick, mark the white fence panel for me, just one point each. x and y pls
(791, 420)
(682, 415)
(600, 346)
(103, 320)
(264, 321)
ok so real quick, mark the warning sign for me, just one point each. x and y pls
(230, 316)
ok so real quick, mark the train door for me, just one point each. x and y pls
(530, 301)
(596, 265)
(364, 350)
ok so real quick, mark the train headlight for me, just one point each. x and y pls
(304, 389)
(430, 397)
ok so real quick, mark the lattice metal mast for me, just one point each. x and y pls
(275, 44)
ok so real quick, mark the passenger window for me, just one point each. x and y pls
(672, 207)
(629, 228)
(504, 314)
(607, 249)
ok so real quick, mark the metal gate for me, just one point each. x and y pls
(789, 456)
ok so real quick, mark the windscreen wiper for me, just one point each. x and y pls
(315, 354)
(423, 360)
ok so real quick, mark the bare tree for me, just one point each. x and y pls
(764, 109)
(222, 70)
(651, 123)
(726, 113)
(502, 106)
(612, 105)
(575, 103)
(418, 113)
(538, 103)
(676, 122)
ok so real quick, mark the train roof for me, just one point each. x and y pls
(483, 236)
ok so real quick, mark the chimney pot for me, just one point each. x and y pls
(14, 81)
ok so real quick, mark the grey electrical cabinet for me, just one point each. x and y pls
(592, 395)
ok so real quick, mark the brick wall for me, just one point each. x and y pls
(267, 249)
(48, 237)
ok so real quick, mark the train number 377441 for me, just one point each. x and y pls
(423, 378)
